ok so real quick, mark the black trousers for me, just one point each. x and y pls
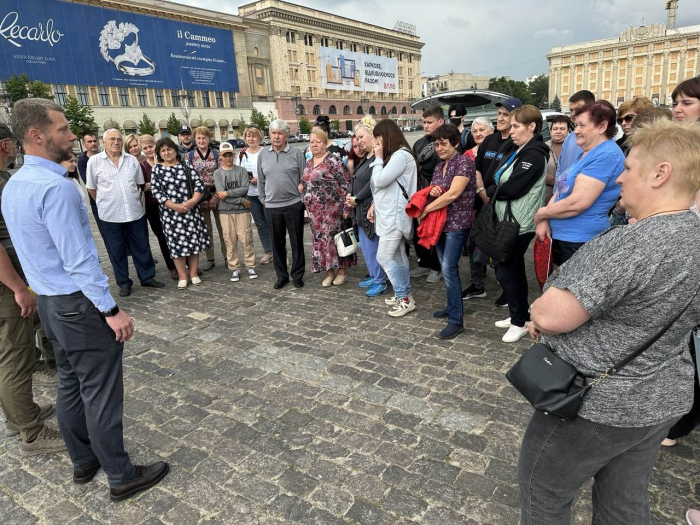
(283, 221)
(426, 258)
(691, 420)
(513, 279)
(153, 216)
(90, 399)
(562, 251)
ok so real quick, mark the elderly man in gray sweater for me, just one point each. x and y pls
(279, 172)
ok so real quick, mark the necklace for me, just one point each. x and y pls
(664, 211)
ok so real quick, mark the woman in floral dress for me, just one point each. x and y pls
(324, 185)
(183, 224)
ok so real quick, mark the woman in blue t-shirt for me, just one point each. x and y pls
(584, 193)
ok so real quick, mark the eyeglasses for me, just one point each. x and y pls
(113, 139)
(627, 119)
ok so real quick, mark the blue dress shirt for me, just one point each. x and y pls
(50, 230)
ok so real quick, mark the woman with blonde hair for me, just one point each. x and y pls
(147, 145)
(323, 187)
(133, 147)
(360, 199)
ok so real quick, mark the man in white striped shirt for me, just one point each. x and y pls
(113, 179)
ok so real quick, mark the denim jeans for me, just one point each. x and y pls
(557, 457)
(562, 251)
(449, 249)
(369, 252)
(391, 255)
(258, 211)
(116, 235)
(90, 398)
(513, 279)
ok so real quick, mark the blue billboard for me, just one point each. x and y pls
(59, 42)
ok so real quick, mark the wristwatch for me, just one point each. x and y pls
(111, 313)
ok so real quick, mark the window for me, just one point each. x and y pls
(232, 100)
(379, 51)
(206, 102)
(410, 59)
(83, 96)
(394, 111)
(160, 98)
(191, 99)
(383, 110)
(219, 99)
(104, 96)
(175, 95)
(143, 98)
(123, 96)
(353, 48)
(60, 93)
(324, 42)
(339, 44)
(317, 109)
(291, 37)
(372, 111)
(400, 57)
(360, 111)
(390, 54)
(301, 110)
(367, 50)
(403, 110)
(347, 110)
(308, 40)
(332, 110)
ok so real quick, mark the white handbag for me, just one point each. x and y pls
(346, 242)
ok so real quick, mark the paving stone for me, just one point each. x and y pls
(182, 514)
(365, 513)
(290, 507)
(297, 483)
(404, 504)
(332, 499)
(437, 470)
(19, 480)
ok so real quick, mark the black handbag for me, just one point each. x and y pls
(555, 386)
(206, 195)
(495, 238)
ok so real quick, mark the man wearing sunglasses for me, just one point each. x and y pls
(625, 116)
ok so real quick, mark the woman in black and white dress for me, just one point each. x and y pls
(178, 188)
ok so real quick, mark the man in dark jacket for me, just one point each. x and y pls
(424, 148)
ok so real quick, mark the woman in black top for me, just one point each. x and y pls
(361, 200)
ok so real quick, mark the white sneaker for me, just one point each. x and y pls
(389, 301)
(252, 274)
(402, 307)
(514, 333)
(236, 276)
(419, 272)
(434, 277)
(503, 324)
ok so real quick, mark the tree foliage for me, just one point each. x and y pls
(257, 118)
(513, 88)
(335, 124)
(114, 125)
(79, 117)
(540, 87)
(146, 126)
(304, 125)
(173, 125)
(20, 86)
(556, 103)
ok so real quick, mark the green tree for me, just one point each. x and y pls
(80, 118)
(173, 125)
(304, 125)
(146, 126)
(39, 90)
(113, 124)
(539, 90)
(513, 88)
(20, 86)
(257, 118)
(556, 103)
(335, 124)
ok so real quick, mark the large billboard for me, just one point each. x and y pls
(65, 43)
(349, 71)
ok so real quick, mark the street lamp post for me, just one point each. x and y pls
(185, 108)
(296, 100)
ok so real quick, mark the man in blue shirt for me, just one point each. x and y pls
(50, 230)
(570, 151)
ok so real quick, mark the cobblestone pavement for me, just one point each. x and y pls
(312, 406)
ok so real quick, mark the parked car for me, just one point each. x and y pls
(237, 143)
(408, 129)
(266, 141)
(304, 137)
(293, 138)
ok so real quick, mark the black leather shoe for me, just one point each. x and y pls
(298, 283)
(153, 284)
(82, 476)
(281, 283)
(125, 291)
(149, 476)
(451, 331)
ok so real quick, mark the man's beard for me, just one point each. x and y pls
(55, 153)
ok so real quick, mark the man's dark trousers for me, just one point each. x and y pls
(116, 235)
(90, 398)
(287, 219)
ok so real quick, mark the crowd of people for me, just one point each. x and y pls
(613, 288)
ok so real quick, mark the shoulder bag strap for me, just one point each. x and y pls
(403, 190)
(624, 362)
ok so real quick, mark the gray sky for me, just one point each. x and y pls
(497, 37)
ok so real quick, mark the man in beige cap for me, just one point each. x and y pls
(17, 348)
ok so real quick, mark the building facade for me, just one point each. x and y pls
(319, 60)
(435, 84)
(645, 61)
